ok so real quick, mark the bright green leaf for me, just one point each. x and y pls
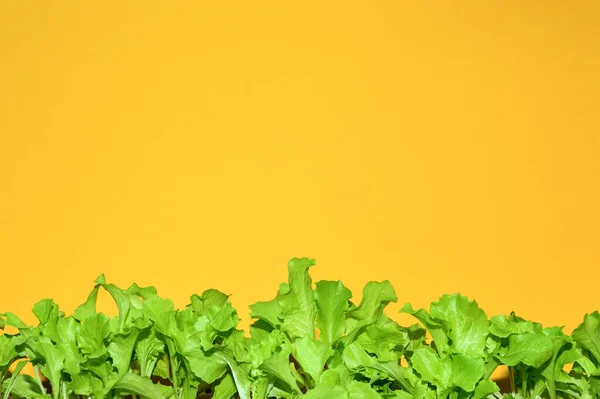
(326, 392)
(587, 334)
(530, 348)
(159, 311)
(332, 303)
(361, 390)
(467, 371)
(464, 322)
(91, 336)
(225, 389)
(297, 300)
(135, 385)
(312, 355)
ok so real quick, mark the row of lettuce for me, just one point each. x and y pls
(151, 350)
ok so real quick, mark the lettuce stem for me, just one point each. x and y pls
(36, 370)
(511, 377)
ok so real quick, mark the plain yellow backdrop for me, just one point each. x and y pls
(446, 147)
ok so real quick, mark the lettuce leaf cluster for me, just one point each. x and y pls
(310, 341)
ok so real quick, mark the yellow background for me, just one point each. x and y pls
(443, 146)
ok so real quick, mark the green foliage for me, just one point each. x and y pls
(309, 341)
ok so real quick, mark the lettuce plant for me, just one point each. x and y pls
(310, 340)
